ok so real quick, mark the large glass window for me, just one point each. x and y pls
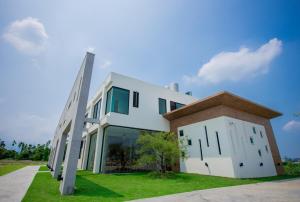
(96, 111)
(120, 149)
(117, 101)
(162, 106)
(175, 105)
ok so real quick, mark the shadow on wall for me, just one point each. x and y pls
(89, 188)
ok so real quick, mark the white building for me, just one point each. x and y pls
(226, 135)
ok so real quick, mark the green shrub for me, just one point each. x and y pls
(292, 168)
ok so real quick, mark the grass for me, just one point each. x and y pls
(121, 187)
(44, 168)
(7, 166)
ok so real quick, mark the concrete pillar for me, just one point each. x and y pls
(98, 151)
(71, 160)
(59, 154)
(86, 152)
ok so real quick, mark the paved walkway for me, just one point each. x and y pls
(14, 185)
(276, 191)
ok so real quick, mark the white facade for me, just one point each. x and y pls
(145, 116)
(238, 157)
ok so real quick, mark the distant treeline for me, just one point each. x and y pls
(39, 152)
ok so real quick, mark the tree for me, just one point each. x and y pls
(161, 150)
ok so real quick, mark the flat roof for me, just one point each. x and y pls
(227, 99)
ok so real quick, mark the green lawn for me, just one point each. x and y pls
(120, 187)
(44, 168)
(7, 166)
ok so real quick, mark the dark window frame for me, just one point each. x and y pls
(136, 96)
(218, 142)
(175, 105)
(164, 106)
(181, 133)
(259, 153)
(200, 146)
(107, 97)
(189, 142)
(206, 135)
(254, 129)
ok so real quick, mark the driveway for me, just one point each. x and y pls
(14, 185)
(276, 191)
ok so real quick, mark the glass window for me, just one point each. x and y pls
(135, 99)
(175, 105)
(181, 133)
(162, 106)
(251, 140)
(120, 149)
(189, 142)
(117, 101)
(96, 111)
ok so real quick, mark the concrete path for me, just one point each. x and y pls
(14, 185)
(276, 191)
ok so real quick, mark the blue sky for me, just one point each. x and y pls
(249, 48)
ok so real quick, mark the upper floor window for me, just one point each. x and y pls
(175, 105)
(189, 142)
(162, 104)
(261, 135)
(251, 140)
(135, 99)
(96, 110)
(117, 101)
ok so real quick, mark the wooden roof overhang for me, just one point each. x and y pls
(227, 99)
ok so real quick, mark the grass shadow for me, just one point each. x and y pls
(86, 187)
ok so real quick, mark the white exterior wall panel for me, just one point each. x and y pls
(236, 148)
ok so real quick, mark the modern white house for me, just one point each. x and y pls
(225, 135)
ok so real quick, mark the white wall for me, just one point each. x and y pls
(234, 137)
(247, 153)
(219, 165)
(146, 116)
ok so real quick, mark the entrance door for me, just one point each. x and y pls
(91, 155)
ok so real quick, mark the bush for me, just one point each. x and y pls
(292, 168)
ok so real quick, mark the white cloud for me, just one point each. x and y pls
(30, 128)
(27, 35)
(106, 64)
(235, 66)
(292, 126)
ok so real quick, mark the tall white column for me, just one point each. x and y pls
(98, 151)
(59, 154)
(86, 152)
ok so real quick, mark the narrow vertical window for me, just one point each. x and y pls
(189, 142)
(136, 99)
(259, 152)
(200, 146)
(181, 133)
(261, 135)
(267, 149)
(217, 135)
(254, 130)
(207, 143)
(251, 140)
(162, 106)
